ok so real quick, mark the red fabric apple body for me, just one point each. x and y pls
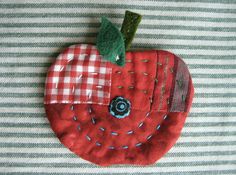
(108, 114)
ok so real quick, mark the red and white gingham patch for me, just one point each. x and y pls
(79, 75)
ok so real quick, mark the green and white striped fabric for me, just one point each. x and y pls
(33, 32)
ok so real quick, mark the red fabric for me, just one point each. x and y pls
(79, 75)
(93, 134)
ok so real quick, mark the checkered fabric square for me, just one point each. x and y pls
(79, 75)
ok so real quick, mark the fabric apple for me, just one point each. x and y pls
(112, 106)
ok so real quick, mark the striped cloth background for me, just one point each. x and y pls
(202, 32)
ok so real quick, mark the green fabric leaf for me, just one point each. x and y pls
(110, 43)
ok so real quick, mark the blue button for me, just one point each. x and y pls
(120, 107)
